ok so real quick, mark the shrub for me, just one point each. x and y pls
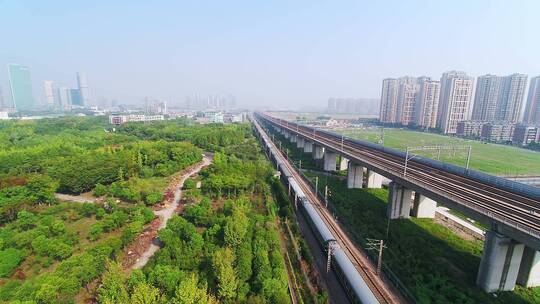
(153, 198)
(190, 184)
(95, 231)
(100, 190)
(10, 258)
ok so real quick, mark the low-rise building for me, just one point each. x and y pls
(470, 128)
(524, 135)
(4, 115)
(498, 132)
(121, 119)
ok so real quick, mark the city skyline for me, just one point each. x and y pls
(260, 54)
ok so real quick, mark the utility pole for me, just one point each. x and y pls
(374, 244)
(326, 195)
(316, 184)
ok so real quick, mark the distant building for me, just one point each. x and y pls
(21, 87)
(532, 109)
(364, 106)
(524, 135)
(407, 91)
(498, 132)
(511, 98)
(64, 97)
(121, 119)
(388, 106)
(470, 128)
(4, 115)
(75, 98)
(82, 85)
(455, 98)
(427, 102)
(488, 90)
(50, 92)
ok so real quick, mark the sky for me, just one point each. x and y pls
(281, 54)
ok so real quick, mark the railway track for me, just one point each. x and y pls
(382, 292)
(496, 203)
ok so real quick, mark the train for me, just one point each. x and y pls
(356, 288)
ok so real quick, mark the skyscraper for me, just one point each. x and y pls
(2, 105)
(82, 84)
(389, 94)
(511, 98)
(427, 102)
(50, 92)
(64, 97)
(407, 90)
(75, 97)
(21, 87)
(455, 97)
(532, 109)
(488, 89)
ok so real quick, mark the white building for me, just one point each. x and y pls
(488, 89)
(389, 95)
(407, 91)
(121, 119)
(427, 102)
(50, 92)
(4, 115)
(532, 110)
(455, 98)
(511, 98)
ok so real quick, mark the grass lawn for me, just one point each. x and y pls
(490, 158)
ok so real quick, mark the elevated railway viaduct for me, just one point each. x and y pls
(511, 210)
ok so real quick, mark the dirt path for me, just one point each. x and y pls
(82, 198)
(167, 212)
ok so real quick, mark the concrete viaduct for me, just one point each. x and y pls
(511, 248)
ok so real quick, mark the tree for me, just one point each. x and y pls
(189, 293)
(236, 228)
(146, 294)
(42, 188)
(222, 262)
(113, 289)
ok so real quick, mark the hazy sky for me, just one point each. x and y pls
(281, 53)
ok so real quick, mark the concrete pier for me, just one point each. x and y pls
(374, 180)
(293, 138)
(500, 263)
(343, 163)
(399, 201)
(424, 207)
(355, 175)
(329, 161)
(529, 270)
(318, 152)
(300, 143)
(286, 134)
(308, 146)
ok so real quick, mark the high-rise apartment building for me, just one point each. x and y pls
(50, 92)
(427, 102)
(389, 94)
(488, 89)
(407, 91)
(511, 98)
(532, 109)
(64, 97)
(21, 87)
(455, 98)
(84, 93)
(75, 97)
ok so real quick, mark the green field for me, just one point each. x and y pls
(496, 159)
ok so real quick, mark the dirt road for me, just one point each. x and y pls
(168, 211)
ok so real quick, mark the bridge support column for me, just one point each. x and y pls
(308, 146)
(294, 138)
(286, 134)
(355, 175)
(399, 201)
(318, 152)
(424, 207)
(374, 180)
(500, 263)
(300, 142)
(343, 163)
(329, 161)
(529, 270)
